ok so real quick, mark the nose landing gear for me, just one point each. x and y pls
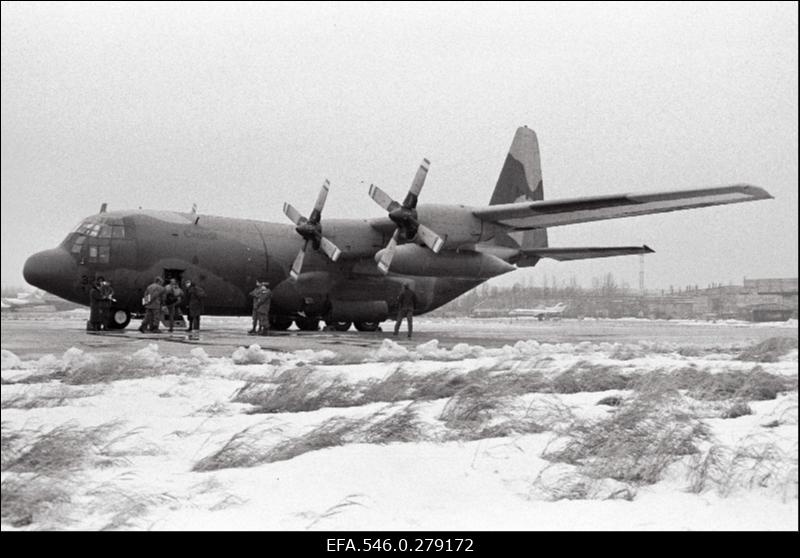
(119, 318)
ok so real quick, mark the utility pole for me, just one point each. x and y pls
(641, 274)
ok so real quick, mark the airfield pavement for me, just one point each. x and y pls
(33, 335)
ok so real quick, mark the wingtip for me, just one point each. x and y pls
(756, 192)
(646, 249)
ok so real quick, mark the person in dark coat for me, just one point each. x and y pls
(406, 303)
(194, 304)
(106, 298)
(94, 307)
(153, 296)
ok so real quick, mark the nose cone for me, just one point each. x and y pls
(51, 270)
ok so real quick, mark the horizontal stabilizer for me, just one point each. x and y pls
(567, 254)
(552, 213)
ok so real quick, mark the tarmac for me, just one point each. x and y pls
(32, 336)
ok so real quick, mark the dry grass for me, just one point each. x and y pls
(562, 482)
(247, 449)
(67, 447)
(399, 426)
(756, 385)
(241, 450)
(769, 350)
(348, 502)
(469, 411)
(41, 468)
(297, 391)
(738, 409)
(753, 464)
(29, 499)
(636, 443)
(587, 377)
(332, 432)
(47, 395)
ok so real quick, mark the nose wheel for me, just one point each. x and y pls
(119, 318)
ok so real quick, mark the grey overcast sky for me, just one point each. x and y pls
(239, 107)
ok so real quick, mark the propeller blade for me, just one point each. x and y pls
(297, 265)
(430, 238)
(323, 195)
(419, 178)
(388, 253)
(382, 198)
(293, 214)
(330, 249)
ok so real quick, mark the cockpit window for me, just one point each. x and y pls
(99, 230)
(78, 244)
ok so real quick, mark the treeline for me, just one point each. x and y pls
(606, 296)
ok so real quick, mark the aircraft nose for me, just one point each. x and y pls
(50, 270)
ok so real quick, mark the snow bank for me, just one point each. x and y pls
(10, 361)
(251, 355)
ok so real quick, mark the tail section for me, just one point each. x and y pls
(519, 181)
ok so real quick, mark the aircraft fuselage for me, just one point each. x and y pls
(227, 256)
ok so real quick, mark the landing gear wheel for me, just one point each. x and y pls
(339, 326)
(368, 326)
(119, 319)
(307, 324)
(280, 323)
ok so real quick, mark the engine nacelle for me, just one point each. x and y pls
(411, 259)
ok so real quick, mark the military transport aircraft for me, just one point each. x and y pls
(541, 312)
(350, 270)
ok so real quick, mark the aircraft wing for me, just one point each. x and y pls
(566, 254)
(551, 213)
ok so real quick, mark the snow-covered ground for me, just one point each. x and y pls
(412, 437)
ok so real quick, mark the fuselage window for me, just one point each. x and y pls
(105, 231)
(104, 254)
(92, 253)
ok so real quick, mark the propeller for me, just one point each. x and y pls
(404, 215)
(311, 231)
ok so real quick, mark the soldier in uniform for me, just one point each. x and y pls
(153, 295)
(194, 304)
(173, 295)
(406, 303)
(254, 294)
(264, 301)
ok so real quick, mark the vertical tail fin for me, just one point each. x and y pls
(521, 180)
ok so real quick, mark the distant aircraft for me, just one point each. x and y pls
(25, 299)
(349, 270)
(36, 299)
(540, 312)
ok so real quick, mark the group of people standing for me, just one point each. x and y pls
(173, 298)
